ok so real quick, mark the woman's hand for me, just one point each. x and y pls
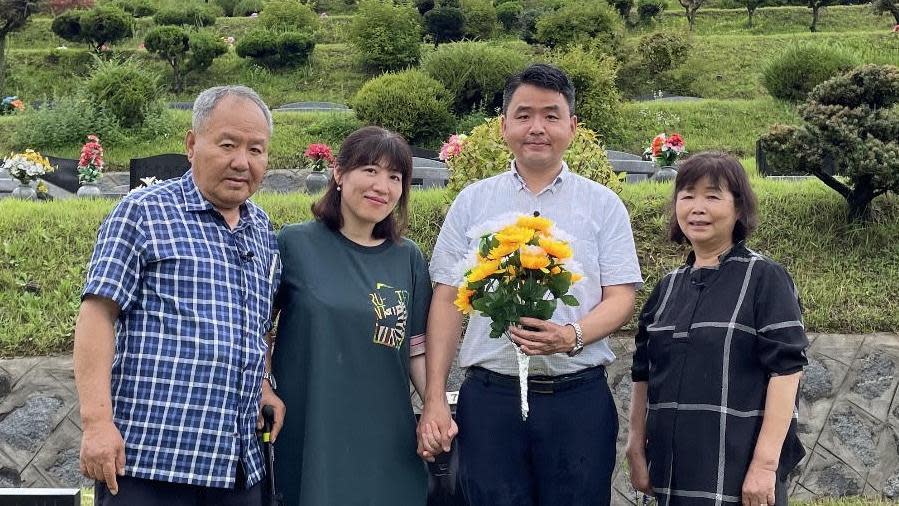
(758, 486)
(636, 459)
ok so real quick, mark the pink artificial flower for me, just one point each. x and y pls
(675, 142)
(452, 147)
(896, 28)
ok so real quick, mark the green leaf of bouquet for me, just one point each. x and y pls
(481, 305)
(545, 309)
(569, 300)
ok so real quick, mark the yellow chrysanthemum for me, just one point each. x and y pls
(554, 248)
(575, 277)
(515, 235)
(502, 250)
(538, 223)
(463, 299)
(533, 257)
(483, 269)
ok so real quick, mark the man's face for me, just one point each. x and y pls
(538, 128)
(229, 153)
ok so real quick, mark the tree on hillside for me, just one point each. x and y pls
(13, 16)
(184, 51)
(691, 6)
(816, 6)
(881, 6)
(850, 138)
(98, 27)
(751, 6)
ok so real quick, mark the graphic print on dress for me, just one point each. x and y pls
(390, 315)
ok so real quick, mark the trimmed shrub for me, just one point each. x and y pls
(480, 18)
(410, 103)
(275, 50)
(597, 99)
(484, 154)
(423, 6)
(227, 6)
(137, 8)
(445, 24)
(386, 36)
(333, 128)
(623, 7)
(657, 65)
(288, 16)
(246, 7)
(648, 10)
(124, 89)
(179, 16)
(664, 51)
(184, 52)
(578, 21)
(474, 73)
(795, 72)
(507, 14)
(105, 25)
(68, 26)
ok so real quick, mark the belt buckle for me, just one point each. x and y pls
(542, 386)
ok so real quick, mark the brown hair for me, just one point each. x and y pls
(370, 145)
(725, 172)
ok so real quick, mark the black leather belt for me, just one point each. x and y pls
(538, 384)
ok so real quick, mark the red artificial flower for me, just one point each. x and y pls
(675, 141)
(657, 144)
(319, 152)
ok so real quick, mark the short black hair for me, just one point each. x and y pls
(541, 75)
(725, 173)
(370, 145)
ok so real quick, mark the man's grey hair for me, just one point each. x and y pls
(207, 100)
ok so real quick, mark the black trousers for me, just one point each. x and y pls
(563, 455)
(141, 492)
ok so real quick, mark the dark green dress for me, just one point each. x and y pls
(341, 357)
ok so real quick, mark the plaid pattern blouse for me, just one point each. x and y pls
(708, 341)
(195, 300)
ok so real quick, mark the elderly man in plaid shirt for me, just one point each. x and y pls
(170, 349)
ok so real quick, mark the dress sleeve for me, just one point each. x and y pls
(640, 365)
(116, 263)
(781, 340)
(421, 301)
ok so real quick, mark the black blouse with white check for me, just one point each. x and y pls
(708, 341)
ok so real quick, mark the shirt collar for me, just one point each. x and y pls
(553, 187)
(737, 248)
(194, 201)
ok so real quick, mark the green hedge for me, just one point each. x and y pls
(848, 276)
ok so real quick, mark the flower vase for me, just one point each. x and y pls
(89, 190)
(666, 173)
(316, 181)
(24, 191)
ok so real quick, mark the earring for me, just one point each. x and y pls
(339, 188)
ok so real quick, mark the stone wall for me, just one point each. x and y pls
(848, 419)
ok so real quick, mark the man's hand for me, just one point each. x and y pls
(436, 429)
(758, 486)
(636, 460)
(103, 454)
(269, 397)
(547, 337)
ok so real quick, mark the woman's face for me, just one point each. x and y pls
(706, 215)
(369, 193)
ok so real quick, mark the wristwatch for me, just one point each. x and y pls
(578, 339)
(271, 380)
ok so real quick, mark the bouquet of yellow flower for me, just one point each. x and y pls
(520, 270)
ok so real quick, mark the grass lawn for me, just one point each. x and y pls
(771, 20)
(730, 66)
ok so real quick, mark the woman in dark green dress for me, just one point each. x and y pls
(353, 305)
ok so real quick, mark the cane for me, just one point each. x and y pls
(268, 420)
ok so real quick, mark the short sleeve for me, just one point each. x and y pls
(781, 339)
(618, 264)
(640, 365)
(452, 244)
(421, 301)
(115, 266)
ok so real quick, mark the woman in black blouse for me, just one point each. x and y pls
(719, 353)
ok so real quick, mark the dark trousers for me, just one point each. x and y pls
(140, 492)
(562, 455)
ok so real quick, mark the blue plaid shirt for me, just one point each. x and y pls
(195, 299)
